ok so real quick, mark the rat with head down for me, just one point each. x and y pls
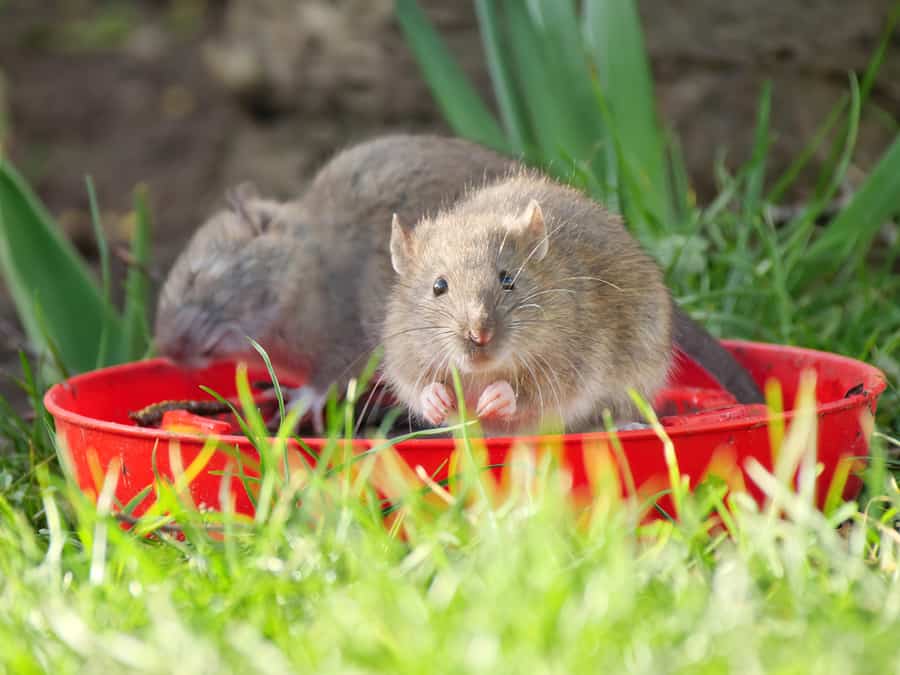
(546, 305)
(309, 279)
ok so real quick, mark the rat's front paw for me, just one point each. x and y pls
(498, 400)
(313, 400)
(437, 402)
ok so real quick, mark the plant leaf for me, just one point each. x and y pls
(854, 228)
(136, 334)
(617, 44)
(512, 112)
(457, 98)
(40, 266)
(103, 250)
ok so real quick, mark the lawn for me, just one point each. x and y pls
(518, 578)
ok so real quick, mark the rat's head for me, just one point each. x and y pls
(466, 288)
(230, 282)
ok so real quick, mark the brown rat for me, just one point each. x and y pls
(542, 300)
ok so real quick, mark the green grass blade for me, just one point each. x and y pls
(754, 178)
(40, 265)
(276, 385)
(854, 228)
(566, 121)
(790, 175)
(756, 171)
(457, 98)
(512, 112)
(801, 229)
(833, 164)
(105, 283)
(569, 71)
(137, 287)
(4, 114)
(617, 45)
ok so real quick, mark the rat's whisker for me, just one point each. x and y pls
(534, 250)
(406, 331)
(502, 244)
(602, 281)
(552, 381)
(530, 305)
(534, 379)
(362, 413)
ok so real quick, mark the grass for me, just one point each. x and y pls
(513, 578)
(507, 578)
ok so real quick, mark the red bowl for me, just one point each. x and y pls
(709, 432)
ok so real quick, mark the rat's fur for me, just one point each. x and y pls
(309, 279)
(583, 323)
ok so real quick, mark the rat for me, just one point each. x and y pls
(547, 306)
(309, 278)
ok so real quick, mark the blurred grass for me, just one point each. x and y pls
(57, 300)
(66, 316)
(511, 576)
(4, 114)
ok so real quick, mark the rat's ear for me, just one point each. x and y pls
(401, 246)
(530, 224)
(246, 202)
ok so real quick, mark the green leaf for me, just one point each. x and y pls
(4, 113)
(617, 44)
(41, 267)
(136, 335)
(105, 274)
(854, 228)
(512, 111)
(457, 98)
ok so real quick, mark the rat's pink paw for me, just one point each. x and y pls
(436, 403)
(314, 401)
(498, 400)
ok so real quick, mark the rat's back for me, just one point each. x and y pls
(349, 205)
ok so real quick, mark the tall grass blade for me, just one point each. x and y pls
(512, 111)
(755, 176)
(103, 250)
(569, 71)
(4, 113)
(137, 286)
(40, 265)
(566, 123)
(617, 45)
(832, 165)
(458, 100)
(856, 226)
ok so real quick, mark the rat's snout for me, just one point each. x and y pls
(481, 329)
(481, 335)
(175, 343)
(185, 334)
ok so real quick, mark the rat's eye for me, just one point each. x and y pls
(440, 286)
(507, 281)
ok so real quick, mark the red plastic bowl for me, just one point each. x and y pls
(92, 423)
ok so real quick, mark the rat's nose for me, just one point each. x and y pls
(480, 336)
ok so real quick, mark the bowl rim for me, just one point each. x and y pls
(873, 380)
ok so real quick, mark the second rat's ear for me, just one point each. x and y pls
(530, 224)
(401, 246)
(246, 202)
